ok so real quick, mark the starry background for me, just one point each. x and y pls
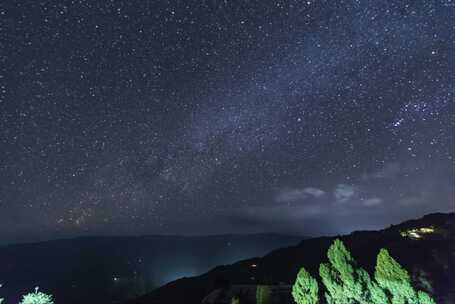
(212, 116)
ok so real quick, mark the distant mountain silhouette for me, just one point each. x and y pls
(104, 270)
(425, 247)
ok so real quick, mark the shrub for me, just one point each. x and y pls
(37, 297)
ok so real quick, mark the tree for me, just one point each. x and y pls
(424, 298)
(37, 297)
(396, 281)
(345, 282)
(337, 275)
(393, 278)
(305, 289)
(371, 292)
(262, 294)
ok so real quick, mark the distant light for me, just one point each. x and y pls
(253, 265)
(116, 279)
(427, 230)
(417, 233)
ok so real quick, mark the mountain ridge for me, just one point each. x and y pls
(433, 257)
(111, 269)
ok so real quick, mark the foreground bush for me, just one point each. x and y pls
(37, 297)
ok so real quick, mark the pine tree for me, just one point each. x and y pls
(37, 297)
(337, 275)
(345, 282)
(333, 290)
(371, 292)
(305, 289)
(396, 281)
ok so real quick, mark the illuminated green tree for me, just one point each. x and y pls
(392, 277)
(262, 294)
(396, 281)
(371, 293)
(305, 289)
(425, 298)
(37, 297)
(338, 275)
(345, 282)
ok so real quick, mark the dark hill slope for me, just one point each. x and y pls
(427, 253)
(103, 270)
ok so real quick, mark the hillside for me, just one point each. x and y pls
(425, 247)
(107, 270)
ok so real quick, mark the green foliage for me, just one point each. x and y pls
(374, 292)
(37, 297)
(305, 289)
(424, 298)
(262, 294)
(338, 275)
(334, 290)
(394, 279)
(346, 283)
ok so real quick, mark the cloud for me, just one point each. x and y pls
(289, 195)
(372, 202)
(314, 192)
(344, 193)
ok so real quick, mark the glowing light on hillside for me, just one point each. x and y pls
(417, 233)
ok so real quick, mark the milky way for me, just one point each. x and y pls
(202, 117)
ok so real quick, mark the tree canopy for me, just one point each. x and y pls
(347, 283)
(305, 289)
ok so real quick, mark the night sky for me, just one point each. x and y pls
(212, 116)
